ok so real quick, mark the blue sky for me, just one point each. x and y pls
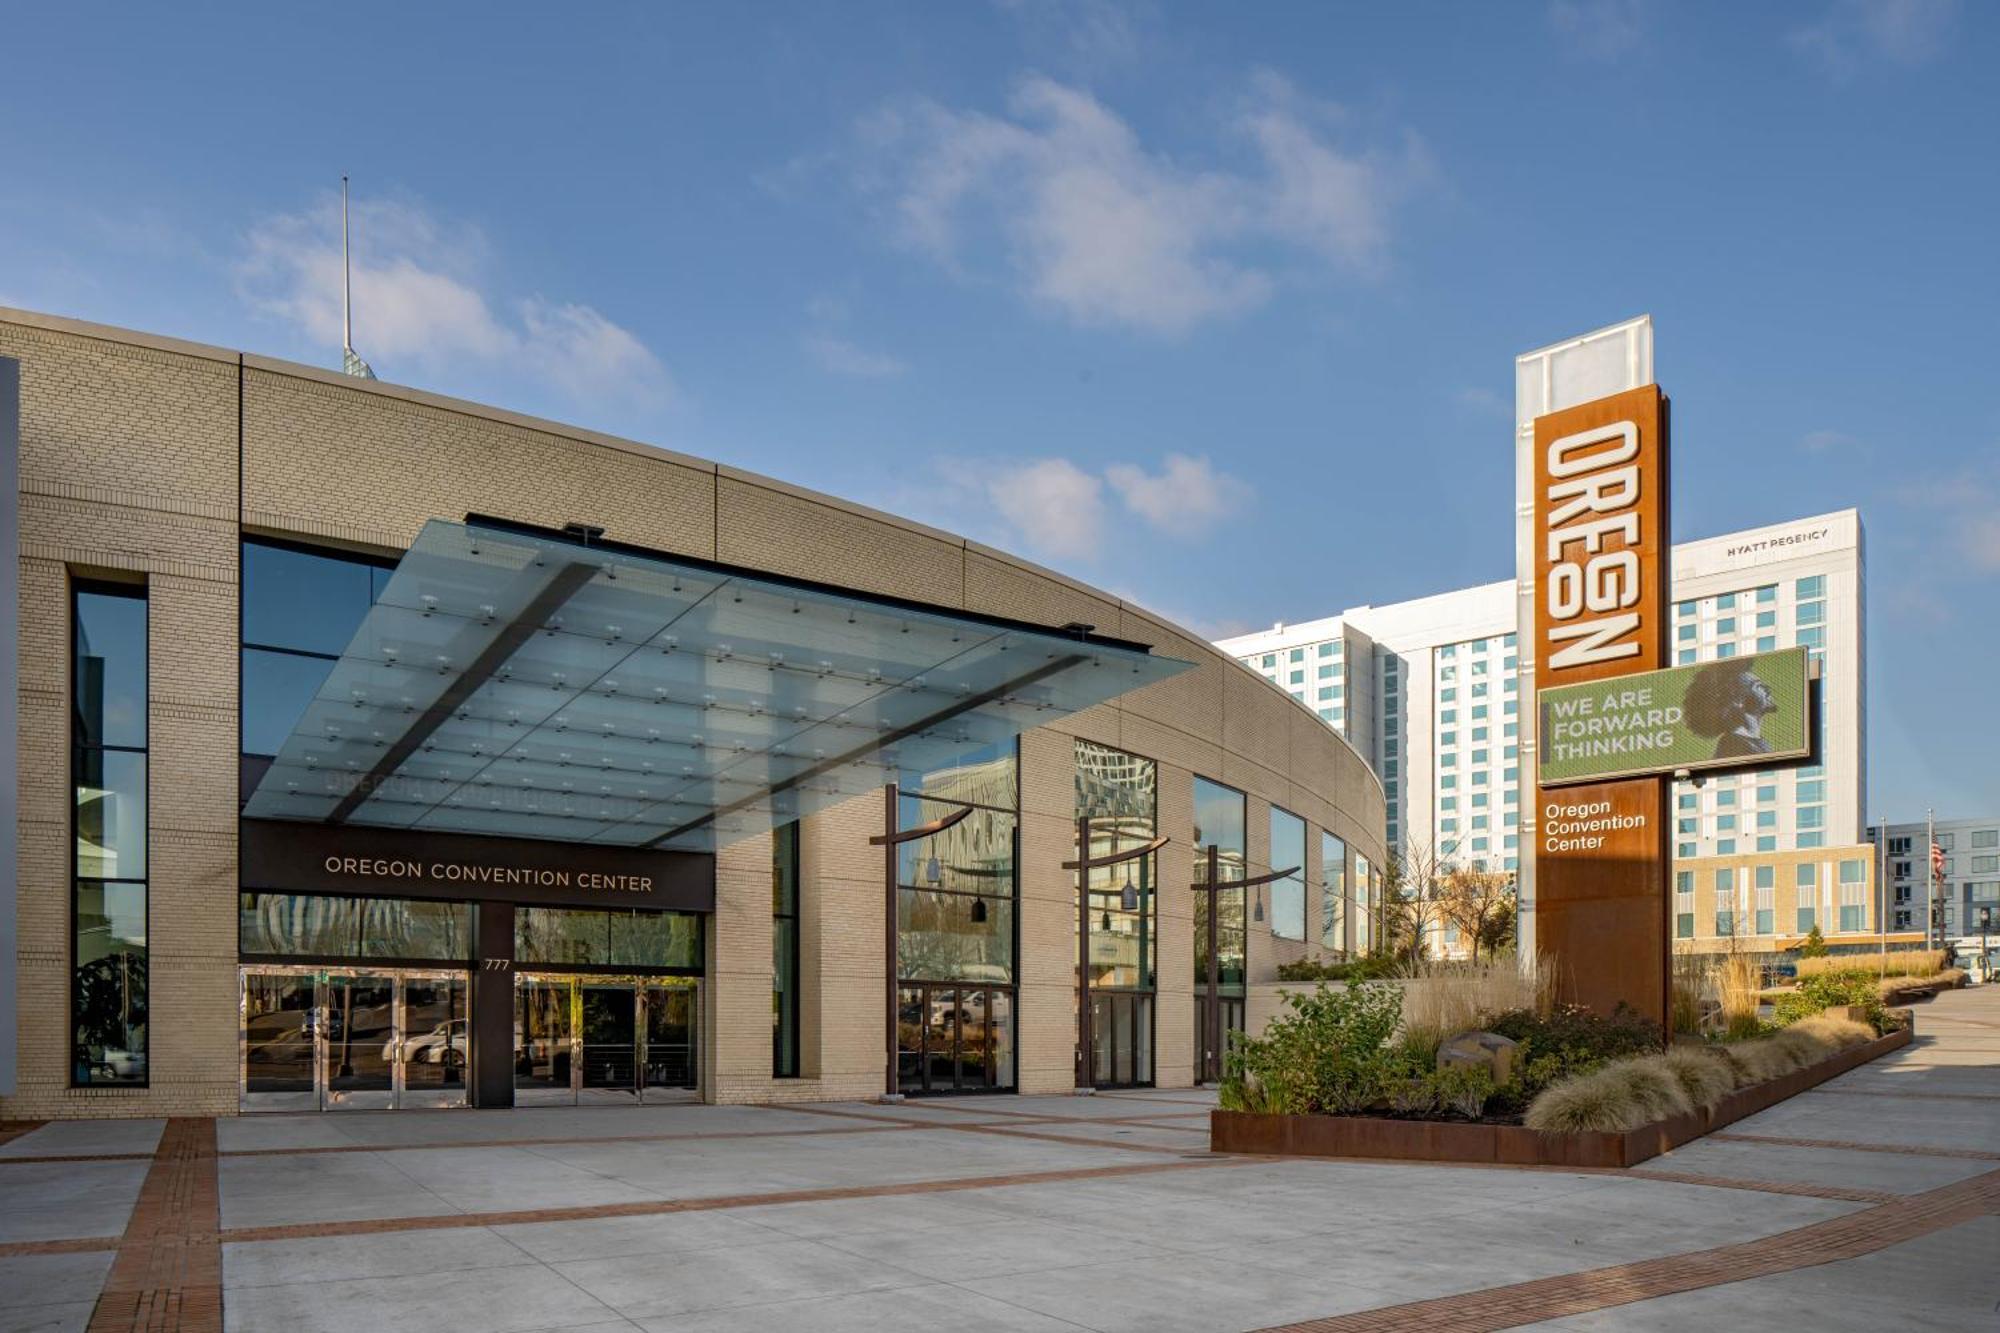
(1211, 306)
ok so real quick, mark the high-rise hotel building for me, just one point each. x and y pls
(1428, 690)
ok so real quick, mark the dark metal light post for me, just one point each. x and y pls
(889, 840)
(1211, 1025)
(1083, 865)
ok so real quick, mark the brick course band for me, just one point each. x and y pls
(1851, 1145)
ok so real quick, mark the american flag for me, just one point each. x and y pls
(1937, 861)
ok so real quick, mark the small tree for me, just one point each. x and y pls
(1814, 944)
(1413, 897)
(1481, 904)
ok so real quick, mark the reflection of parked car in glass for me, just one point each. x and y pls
(444, 1044)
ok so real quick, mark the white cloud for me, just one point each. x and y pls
(419, 304)
(1056, 506)
(844, 358)
(1855, 32)
(826, 343)
(1095, 225)
(1187, 496)
(1598, 29)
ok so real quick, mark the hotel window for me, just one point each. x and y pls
(1450, 825)
(1767, 619)
(1810, 613)
(1480, 799)
(108, 752)
(785, 950)
(1448, 673)
(1329, 649)
(1479, 711)
(1689, 826)
(1725, 650)
(1270, 660)
(1507, 641)
(1512, 708)
(1767, 819)
(1726, 625)
(1448, 715)
(1767, 642)
(1812, 816)
(1725, 798)
(1810, 587)
(1684, 608)
(1726, 602)
(1447, 738)
(1512, 818)
(1479, 690)
(1296, 678)
(1985, 865)
(1809, 638)
(1808, 792)
(1448, 803)
(1510, 728)
(1808, 840)
(1478, 734)
(1986, 837)
(1684, 925)
(1325, 693)
(1449, 650)
(1448, 696)
(1685, 851)
(1297, 655)
(1288, 895)
(1685, 657)
(1479, 668)
(1687, 800)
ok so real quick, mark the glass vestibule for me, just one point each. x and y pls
(584, 1039)
(314, 1038)
(954, 1039)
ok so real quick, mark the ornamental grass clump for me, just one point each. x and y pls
(1597, 1102)
(1894, 963)
(1739, 985)
(1705, 1076)
(1655, 1086)
(1833, 1031)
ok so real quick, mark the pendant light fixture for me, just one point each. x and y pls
(979, 911)
(1257, 914)
(1128, 899)
(933, 871)
(1105, 922)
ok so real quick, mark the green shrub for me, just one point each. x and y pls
(1568, 1041)
(1829, 990)
(1330, 1055)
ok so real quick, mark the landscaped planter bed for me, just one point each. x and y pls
(1517, 1145)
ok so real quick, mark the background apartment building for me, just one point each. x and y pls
(1970, 882)
(1429, 690)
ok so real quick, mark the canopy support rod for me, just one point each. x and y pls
(564, 584)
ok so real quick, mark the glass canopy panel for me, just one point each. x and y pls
(520, 683)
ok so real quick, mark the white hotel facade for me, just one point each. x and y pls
(1428, 691)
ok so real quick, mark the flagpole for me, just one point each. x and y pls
(1930, 869)
(346, 280)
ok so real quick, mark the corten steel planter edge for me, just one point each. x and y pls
(1517, 1145)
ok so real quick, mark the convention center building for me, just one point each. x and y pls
(381, 750)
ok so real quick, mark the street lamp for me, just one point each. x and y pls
(1211, 1019)
(1083, 865)
(892, 837)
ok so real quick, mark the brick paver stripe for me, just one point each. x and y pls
(650, 1207)
(1831, 1241)
(167, 1277)
(1851, 1145)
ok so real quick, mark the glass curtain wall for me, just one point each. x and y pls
(1288, 895)
(785, 951)
(1220, 820)
(1333, 913)
(1118, 911)
(300, 608)
(108, 751)
(957, 894)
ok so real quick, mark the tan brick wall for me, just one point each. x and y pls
(128, 467)
(130, 464)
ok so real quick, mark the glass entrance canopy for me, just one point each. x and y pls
(527, 683)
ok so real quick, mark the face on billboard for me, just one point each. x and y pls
(1742, 712)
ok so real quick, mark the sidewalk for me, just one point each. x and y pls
(1875, 1197)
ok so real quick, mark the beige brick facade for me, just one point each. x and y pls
(131, 467)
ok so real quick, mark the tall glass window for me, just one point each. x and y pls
(1219, 821)
(1332, 892)
(785, 951)
(1288, 895)
(1364, 905)
(300, 608)
(1118, 914)
(108, 738)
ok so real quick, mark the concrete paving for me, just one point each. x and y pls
(1012, 1213)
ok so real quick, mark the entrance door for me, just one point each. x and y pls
(544, 1041)
(280, 1037)
(954, 1039)
(1121, 1039)
(610, 1042)
(436, 1041)
(671, 1071)
(1211, 1032)
(358, 1056)
(320, 1039)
